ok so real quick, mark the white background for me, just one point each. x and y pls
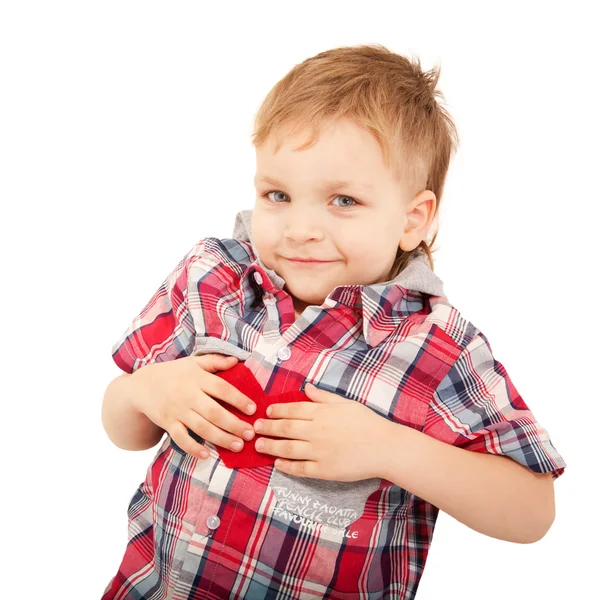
(125, 138)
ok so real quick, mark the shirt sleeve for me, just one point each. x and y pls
(477, 407)
(164, 328)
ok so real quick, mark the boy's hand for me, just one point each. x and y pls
(176, 394)
(330, 438)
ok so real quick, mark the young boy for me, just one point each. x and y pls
(329, 281)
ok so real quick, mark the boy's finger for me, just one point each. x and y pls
(214, 362)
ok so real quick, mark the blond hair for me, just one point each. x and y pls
(383, 92)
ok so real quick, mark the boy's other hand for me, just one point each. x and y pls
(332, 437)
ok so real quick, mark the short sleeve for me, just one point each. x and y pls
(477, 407)
(164, 329)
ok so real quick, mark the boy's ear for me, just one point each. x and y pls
(420, 214)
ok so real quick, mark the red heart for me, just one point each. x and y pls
(242, 378)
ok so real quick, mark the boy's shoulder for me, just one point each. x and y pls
(421, 318)
(226, 254)
(446, 323)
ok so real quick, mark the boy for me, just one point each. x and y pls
(329, 281)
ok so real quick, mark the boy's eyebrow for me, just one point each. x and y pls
(330, 184)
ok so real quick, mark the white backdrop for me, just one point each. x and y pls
(125, 137)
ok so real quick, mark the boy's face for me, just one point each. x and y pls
(356, 228)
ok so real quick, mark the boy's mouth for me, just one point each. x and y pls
(308, 260)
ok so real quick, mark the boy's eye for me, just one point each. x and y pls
(267, 195)
(348, 198)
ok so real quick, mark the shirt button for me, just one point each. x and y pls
(258, 277)
(213, 522)
(284, 353)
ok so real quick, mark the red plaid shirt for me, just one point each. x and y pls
(197, 529)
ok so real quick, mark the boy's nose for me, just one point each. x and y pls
(302, 231)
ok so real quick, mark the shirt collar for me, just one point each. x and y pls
(416, 276)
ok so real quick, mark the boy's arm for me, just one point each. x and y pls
(481, 455)
(492, 494)
(126, 427)
(163, 330)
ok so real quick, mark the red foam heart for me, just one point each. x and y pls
(242, 378)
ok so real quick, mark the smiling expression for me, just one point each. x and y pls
(335, 202)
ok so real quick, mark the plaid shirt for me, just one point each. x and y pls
(197, 529)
